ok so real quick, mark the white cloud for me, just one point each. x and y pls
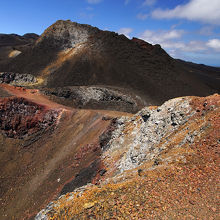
(194, 46)
(94, 1)
(160, 37)
(214, 44)
(195, 50)
(149, 2)
(195, 10)
(191, 46)
(171, 41)
(125, 31)
(172, 34)
(142, 16)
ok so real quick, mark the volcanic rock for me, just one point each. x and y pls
(71, 54)
(153, 165)
(17, 79)
(20, 117)
(96, 97)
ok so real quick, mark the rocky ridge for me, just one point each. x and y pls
(178, 140)
(96, 97)
(142, 136)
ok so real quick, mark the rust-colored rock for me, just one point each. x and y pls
(20, 117)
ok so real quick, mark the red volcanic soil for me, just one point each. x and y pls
(20, 117)
(30, 94)
(45, 149)
(26, 113)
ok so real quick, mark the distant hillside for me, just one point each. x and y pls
(209, 75)
(15, 39)
(72, 54)
(12, 45)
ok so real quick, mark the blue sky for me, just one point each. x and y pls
(186, 29)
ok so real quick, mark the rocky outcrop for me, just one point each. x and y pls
(142, 136)
(17, 79)
(96, 97)
(46, 149)
(146, 136)
(66, 34)
(20, 118)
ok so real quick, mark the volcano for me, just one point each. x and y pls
(94, 125)
(72, 54)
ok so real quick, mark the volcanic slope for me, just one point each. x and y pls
(72, 54)
(43, 146)
(162, 163)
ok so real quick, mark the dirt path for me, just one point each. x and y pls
(35, 96)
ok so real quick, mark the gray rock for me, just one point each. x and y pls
(97, 97)
(17, 79)
(148, 128)
(66, 34)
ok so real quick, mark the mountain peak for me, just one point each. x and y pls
(66, 34)
(72, 54)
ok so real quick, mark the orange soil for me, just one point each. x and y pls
(176, 189)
